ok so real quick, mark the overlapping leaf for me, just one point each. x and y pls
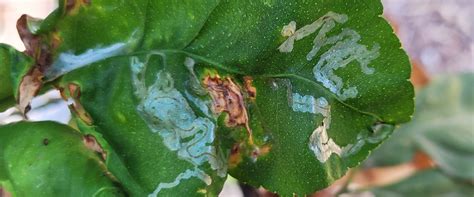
(49, 159)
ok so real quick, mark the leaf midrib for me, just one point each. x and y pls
(284, 75)
(234, 71)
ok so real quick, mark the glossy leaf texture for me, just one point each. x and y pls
(441, 128)
(49, 159)
(284, 95)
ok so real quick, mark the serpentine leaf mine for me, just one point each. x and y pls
(319, 142)
(345, 49)
(167, 112)
(69, 61)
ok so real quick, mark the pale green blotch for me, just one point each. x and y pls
(121, 117)
(167, 112)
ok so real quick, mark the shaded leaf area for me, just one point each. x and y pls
(13, 66)
(7, 103)
(442, 128)
(174, 89)
(49, 159)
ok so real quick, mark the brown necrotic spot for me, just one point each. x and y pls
(251, 90)
(235, 156)
(260, 151)
(31, 41)
(32, 81)
(37, 47)
(240, 149)
(30, 85)
(74, 90)
(227, 97)
(4, 193)
(76, 107)
(74, 4)
(91, 143)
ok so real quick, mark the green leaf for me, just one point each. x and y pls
(174, 89)
(49, 159)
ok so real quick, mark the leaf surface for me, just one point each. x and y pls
(185, 92)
